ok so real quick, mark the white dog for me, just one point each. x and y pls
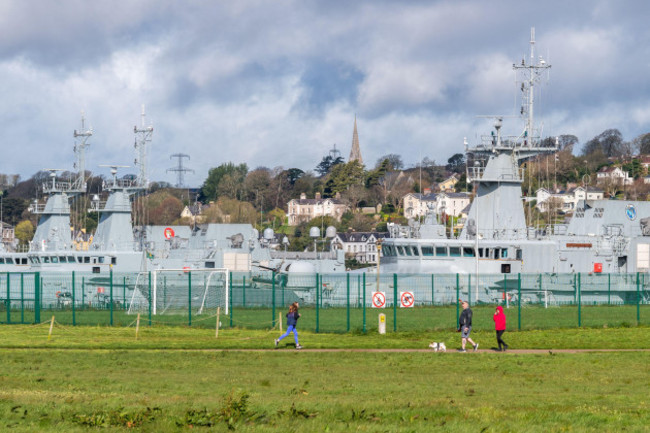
(438, 347)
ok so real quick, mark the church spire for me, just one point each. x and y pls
(355, 152)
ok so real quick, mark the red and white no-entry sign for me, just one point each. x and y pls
(407, 300)
(169, 233)
(378, 300)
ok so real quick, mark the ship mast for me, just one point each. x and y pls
(81, 143)
(142, 137)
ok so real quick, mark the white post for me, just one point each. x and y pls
(137, 326)
(216, 333)
(49, 335)
(382, 323)
(153, 309)
(280, 321)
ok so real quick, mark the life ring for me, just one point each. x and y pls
(57, 294)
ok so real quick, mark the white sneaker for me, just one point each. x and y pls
(276, 343)
(475, 347)
(298, 347)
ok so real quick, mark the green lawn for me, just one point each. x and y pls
(179, 379)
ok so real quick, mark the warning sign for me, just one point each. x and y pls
(407, 300)
(169, 233)
(378, 300)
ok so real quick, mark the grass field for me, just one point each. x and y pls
(182, 379)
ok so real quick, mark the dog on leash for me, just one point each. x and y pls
(438, 347)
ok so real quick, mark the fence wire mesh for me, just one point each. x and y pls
(341, 302)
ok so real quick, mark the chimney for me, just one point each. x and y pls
(337, 196)
(303, 196)
(317, 196)
(427, 191)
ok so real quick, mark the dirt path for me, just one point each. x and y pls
(510, 351)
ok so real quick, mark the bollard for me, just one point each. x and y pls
(216, 333)
(382, 323)
(137, 326)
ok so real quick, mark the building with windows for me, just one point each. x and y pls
(361, 246)
(305, 209)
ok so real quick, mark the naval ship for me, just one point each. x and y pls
(603, 237)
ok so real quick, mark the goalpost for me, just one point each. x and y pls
(176, 291)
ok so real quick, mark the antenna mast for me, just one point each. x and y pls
(81, 142)
(142, 137)
(531, 74)
(180, 170)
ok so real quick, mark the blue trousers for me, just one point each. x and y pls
(290, 329)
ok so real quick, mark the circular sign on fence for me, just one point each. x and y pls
(378, 300)
(169, 233)
(407, 300)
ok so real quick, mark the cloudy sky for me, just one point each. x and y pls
(278, 83)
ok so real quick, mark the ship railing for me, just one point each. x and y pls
(506, 175)
(58, 186)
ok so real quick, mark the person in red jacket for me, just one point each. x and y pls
(500, 327)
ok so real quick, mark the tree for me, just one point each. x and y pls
(642, 144)
(343, 176)
(394, 161)
(24, 231)
(210, 189)
(293, 174)
(610, 142)
(327, 163)
(566, 142)
(456, 163)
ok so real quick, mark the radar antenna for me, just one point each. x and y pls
(180, 169)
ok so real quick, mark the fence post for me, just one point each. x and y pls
(243, 293)
(273, 298)
(83, 291)
(111, 295)
(519, 301)
(395, 300)
(638, 301)
(609, 288)
(124, 293)
(22, 298)
(8, 299)
(230, 297)
(348, 309)
(364, 302)
(37, 298)
(189, 300)
(579, 301)
(457, 299)
(433, 285)
(469, 289)
(150, 299)
(317, 318)
(74, 317)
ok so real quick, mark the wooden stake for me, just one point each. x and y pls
(49, 336)
(280, 321)
(137, 326)
(216, 333)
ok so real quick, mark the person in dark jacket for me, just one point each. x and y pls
(500, 327)
(292, 320)
(465, 326)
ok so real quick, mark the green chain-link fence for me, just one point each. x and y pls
(347, 302)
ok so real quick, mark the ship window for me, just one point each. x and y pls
(96, 270)
(408, 250)
(113, 260)
(441, 251)
(400, 250)
(23, 261)
(519, 254)
(2, 261)
(454, 251)
(480, 252)
(427, 250)
(86, 259)
(70, 259)
(9, 261)
(505, 268)
(209, 265)
(101, 259)
(94, 259)
(55, 259)
(504, 253)
(46, 259)
(468, 252)
(79, 259)
(416, 252)
(62, 259)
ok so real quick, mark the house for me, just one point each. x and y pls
(447, 203)
(612, 174)
(566, 201)
(304, 209)
(361, 246)
(449, 184)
